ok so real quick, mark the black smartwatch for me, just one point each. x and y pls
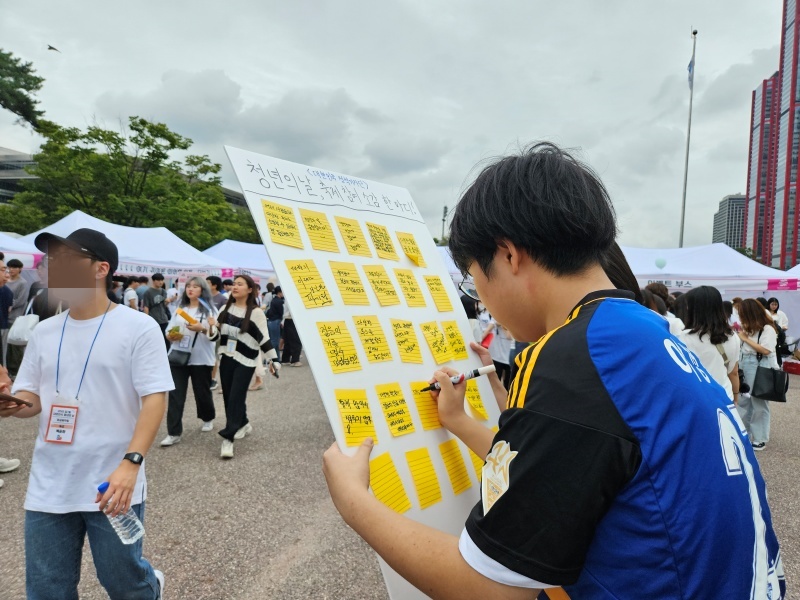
(134, 457)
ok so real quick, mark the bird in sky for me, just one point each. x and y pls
(49, 47)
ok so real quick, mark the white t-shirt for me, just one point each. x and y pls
(780, 318)
(203, 351)
(172, 293)
(500, 348)
(711, 358)
(769, 340)
(129, 360)
(130, 294)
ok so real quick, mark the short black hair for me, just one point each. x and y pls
(143, 279)
(214, 281)
(157, 277)
(15, 263)
(228, 282)
(544, 201)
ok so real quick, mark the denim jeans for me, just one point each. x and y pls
(754, 411)
(274, 329)
(53, 549)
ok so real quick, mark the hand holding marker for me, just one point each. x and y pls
(456, 379)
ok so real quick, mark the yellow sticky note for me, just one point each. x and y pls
(427, 409)
(382, 241)
(395, 409)
(339, 346)
(456, 469)
(356, 417)
(386, 483)
(474, 400)
(408, 283)
(406, 341)
(281, 224)
(319, 230)
(439, 293)
(437, 342)
(409, 245)
(477, 464)
(309, 283)
(456, 341)
(350, 285)
(373, 339)
(381, 284)
(424, 477)
(353, 237)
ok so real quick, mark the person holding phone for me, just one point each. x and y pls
(97, 377)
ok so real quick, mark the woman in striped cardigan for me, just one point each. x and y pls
(243, 332)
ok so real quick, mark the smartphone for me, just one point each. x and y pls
(8, 398)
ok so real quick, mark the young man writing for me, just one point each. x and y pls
(620, 468)
(97, 377)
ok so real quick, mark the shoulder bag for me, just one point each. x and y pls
(180, 358)
(23, 326)
(769, 384)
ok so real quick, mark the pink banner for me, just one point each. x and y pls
(782, 284)
(228, 273)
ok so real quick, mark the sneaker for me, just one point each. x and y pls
(170, 440)
(297, 364)
(214, 384)
(8, 464)
(160, 577)
(759, 446)
(227, 449)
(207, 426)
(246, 430)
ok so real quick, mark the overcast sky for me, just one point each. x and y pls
(415, 93)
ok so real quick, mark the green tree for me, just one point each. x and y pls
(748, 252)
(18, 84)
(130, 178)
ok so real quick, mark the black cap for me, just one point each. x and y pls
(87, 241)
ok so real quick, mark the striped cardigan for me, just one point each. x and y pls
(248, 342)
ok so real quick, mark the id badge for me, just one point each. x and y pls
(61, 427)
(184, 343)
(231, 346)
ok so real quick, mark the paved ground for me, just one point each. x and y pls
(262, 525)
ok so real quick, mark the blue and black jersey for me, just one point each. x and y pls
(620, 470)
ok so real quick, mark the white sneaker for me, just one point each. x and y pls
(207, 426)
(170, 440)
(8, 464)
(160, 577)
(227, 449)
(246, 430)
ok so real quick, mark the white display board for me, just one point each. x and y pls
(336, 335)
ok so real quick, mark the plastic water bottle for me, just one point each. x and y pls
(127, 525)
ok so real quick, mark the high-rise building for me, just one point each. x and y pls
(729, 221)
(758, 213)
(12, 172)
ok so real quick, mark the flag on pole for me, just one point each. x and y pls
(691, 73)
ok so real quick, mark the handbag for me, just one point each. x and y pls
(23, 326)
(769, 384)
(180, 358)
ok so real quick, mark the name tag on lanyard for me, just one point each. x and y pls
(61, 426)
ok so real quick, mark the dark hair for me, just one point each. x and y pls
(251, 304)
(679, 308)
(470, 306)
(705, 314)
(214, 281)
(542, 200)
(143, 279)
(129, 281)
(653, 302)
(727, 306)
(660, 290)
(776, 301)
(619, 272)
(157, 277)
(753, 316)
(270, 287)
(763, 302)
(2, 256)
(677, 295)
(277, 290)
(230, 281)
(15, 263)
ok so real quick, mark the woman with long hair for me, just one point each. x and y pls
(243, 330)
(711, 338)
(196, 337)
(758, 350)
(778, 315)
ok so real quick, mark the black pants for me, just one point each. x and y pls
(503, 372)
(291, 343)
(201, 385)
(164, 334)
(15, 354)
(235, 379)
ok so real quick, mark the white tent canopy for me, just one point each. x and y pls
(141, 250)
(250, 259)
(17, 248)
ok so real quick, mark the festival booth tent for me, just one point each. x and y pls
(142, 250)
(249, 259)
(720, 266)
(17, 248)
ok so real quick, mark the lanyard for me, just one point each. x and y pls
(61, 341)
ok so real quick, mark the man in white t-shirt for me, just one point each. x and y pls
(97, 376)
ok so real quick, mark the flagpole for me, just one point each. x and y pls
(688, 138)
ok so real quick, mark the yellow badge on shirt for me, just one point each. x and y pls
(496, 478)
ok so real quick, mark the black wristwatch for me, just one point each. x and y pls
(134, 457)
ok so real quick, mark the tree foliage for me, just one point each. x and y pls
(18, 84)
(129, 178)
